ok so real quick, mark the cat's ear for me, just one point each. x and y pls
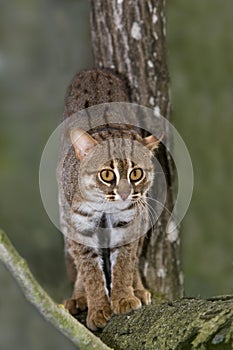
(82, 142)
(151, 142)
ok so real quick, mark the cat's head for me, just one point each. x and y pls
(114, 170)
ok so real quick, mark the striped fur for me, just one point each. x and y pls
(103, 186)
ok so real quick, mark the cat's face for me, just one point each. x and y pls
(124, 180)
(116, 171)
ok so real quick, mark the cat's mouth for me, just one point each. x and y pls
(123, 197)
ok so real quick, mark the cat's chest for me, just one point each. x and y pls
(112, 227)
(119, 218)
(93, 215)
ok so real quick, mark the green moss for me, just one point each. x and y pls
(184, 324)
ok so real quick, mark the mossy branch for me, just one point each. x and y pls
(183, 324)
(57, 315)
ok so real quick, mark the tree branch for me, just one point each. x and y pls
(183, 324)
(52, 312)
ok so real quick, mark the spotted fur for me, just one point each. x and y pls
(104, 180)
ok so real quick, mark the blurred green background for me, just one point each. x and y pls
(43, 44)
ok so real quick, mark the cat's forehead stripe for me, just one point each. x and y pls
(111, 147)
(122, 167)
(120, 164)
(112, 164)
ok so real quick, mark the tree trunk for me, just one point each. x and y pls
(129, 37)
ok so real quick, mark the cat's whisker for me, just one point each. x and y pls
(145, 206)
(142, 205)
(153, 199)
(158, 203)
(162, 205)
(152, 212)
(148, 203)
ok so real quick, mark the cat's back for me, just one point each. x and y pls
(92, 87)
(86, 89)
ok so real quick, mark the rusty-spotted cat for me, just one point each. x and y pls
(106, 278)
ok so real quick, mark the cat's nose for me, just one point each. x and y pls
(124, 189)
(124, 195)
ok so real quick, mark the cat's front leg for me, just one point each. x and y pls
(91, 276)
(78, 301)
(99, 310)
(139, 290)
(91, 272)
(123, 299)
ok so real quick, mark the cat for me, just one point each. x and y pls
(105, 178)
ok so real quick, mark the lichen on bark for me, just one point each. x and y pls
(184, 324)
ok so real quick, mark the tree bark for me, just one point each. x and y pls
(184, 324)
(129, 37)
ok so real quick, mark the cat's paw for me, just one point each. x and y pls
(143, 295)
(125, 304)
(98, 318)
(74, 306)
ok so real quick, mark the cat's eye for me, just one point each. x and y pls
(107, 175)
(136, 175)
